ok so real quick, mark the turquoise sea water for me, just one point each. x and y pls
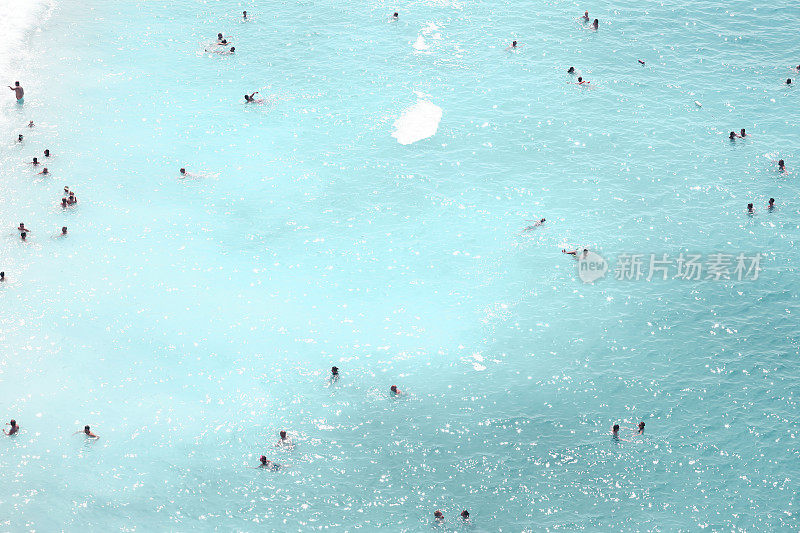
(188, 321)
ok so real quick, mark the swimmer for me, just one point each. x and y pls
(615, 431)
(595, 24)
(18, 92)
(66, 190)
(535, 225)
(581, 81)
(641, 428)
(35, 161)
(771, 204)
(88, 432)
(23, 235)
(465, 514)
(586, 16)
(183, 172)
(47, 153)
(742, 133)
(575, 253)
(266, 463)
(14, 428)
(250, 100)
(19, 138)
(513, 44)
(22, 227)
(2, 276)
(394, 390)
(438, 516)
(219, 37)
(63, 202)
(244, 15)
(781, 165)
(72, 199)
(285, 441)
(63, 230)
(571, 70)
(732, 136)
(44, 171)
(788, 81)
(750, 210)
(30, 124)
(395, 15)
(335, 372)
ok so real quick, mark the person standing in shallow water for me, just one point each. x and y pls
(19, 92)
(14, 428)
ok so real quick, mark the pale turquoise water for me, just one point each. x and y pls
(189, 321)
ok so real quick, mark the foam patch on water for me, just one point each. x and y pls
(420, 43)
(418, 122)
(19, 17)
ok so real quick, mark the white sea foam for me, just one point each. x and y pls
(420, 43)
(418, 122)
(19, 18)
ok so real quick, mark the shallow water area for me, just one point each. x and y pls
(189, 320)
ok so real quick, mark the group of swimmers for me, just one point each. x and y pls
(15, 429)
(23, 234)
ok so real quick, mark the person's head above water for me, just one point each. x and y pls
(47, 153)
(86, 429)
(183, 171)
(35, 160)
(641, 427)
(63, 230)
(781, 164)
(23, 235)
(219, 36)
(514, 44)
(2, 276)
(742, 133)
(615, 428)
(771, 202)
(595, 23)
(19, 138)
(788, 81)
(732, 135)
(244, 14)
(464, 514)
(335, 370)
(233, 49)
(580, 79)
(571, 70)
(283, 435)
(395, 15)
(263, 459)
(437, 514)
(393, 388)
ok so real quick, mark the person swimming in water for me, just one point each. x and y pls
(615, 431)
(14, 428)
(465, 514)
(742, 134)
(395, 15)
(535, 225)
(571, 70)
(781, 165)
(19, 138)
(19, 92)
(88, 432)
(335, 372)
(750, 210)
(575, 253)
(513, 44)
(35, 161)
(250, 100)
(581, 81)
(63, 231)
(23, 236)
(771, 204)
(586, 16)
(44, 171)
(63, 202)
(30, 124)
(732, 136)
(641, 428)
(244, 15)
(394, 390)
(2, 276)
(22, 227)
(47, 153)
(220, 38)
(285, 441)
(595, 24)
(788, 81)
(438, 515)
(266, 463)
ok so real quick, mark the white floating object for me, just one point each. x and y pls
(698, 104)
(418, 122)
